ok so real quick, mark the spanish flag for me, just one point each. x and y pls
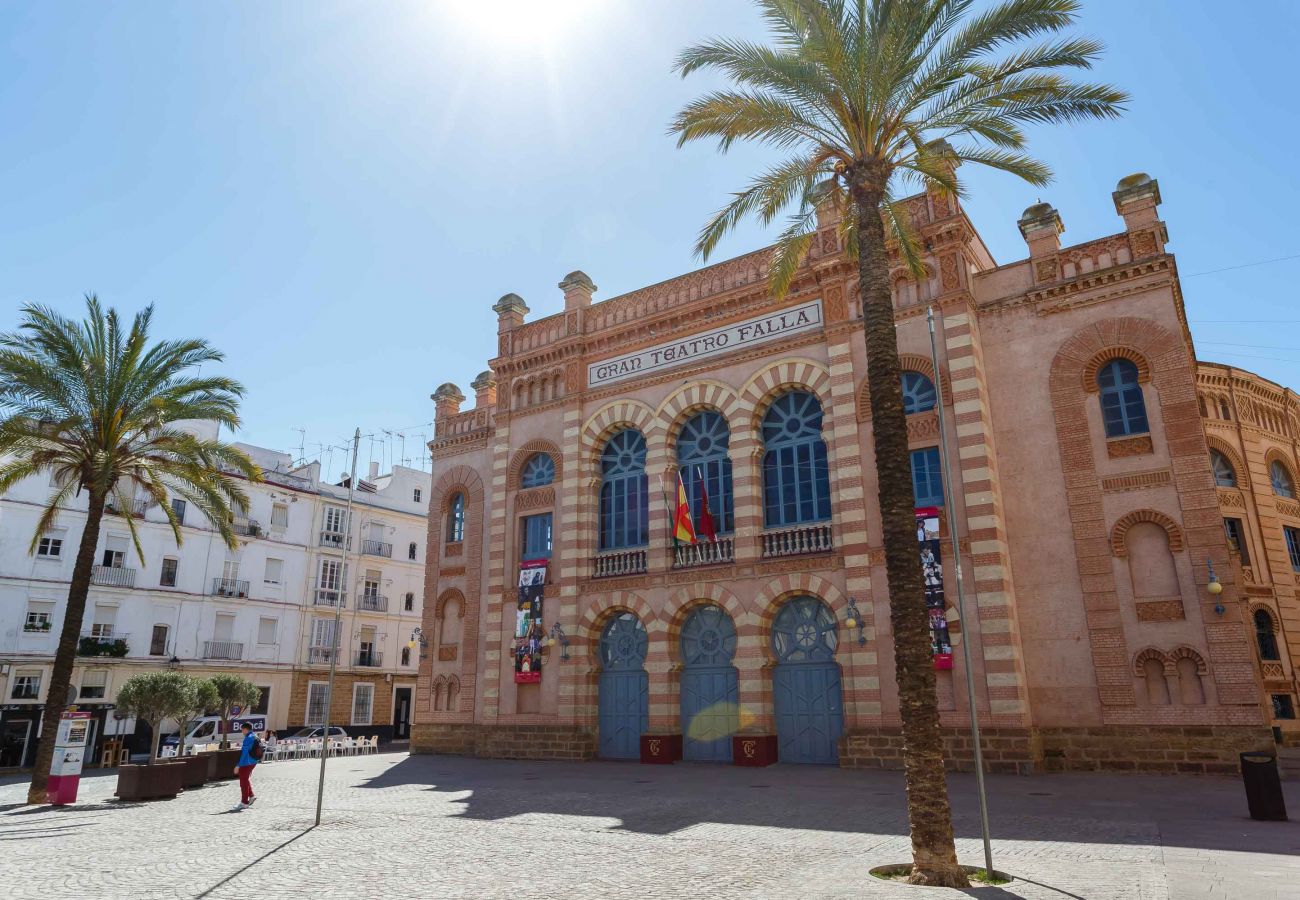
(683, 528)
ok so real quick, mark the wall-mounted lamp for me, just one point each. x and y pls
(1215, 588)
(418, 640)
(557, 634)
(854, 620)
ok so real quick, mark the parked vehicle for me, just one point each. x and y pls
(207, 730)
(314, 734)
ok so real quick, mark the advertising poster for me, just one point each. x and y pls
(529, 635)
(927, 535)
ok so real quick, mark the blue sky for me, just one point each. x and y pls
(335, 193)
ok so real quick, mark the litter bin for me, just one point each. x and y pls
(1263, 787)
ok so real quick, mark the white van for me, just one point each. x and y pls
(207, 730)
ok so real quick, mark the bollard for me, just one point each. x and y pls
(1263, 787)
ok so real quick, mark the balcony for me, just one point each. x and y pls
(248, 527)
(372, 603)
(229, 587)
(103, 641)
(714, 553)
(798, 541)
(616, 563)
(113, 576)
(319, 656)
(371, 659)
(330, 597)
(231, 650)
(134, 507)
(377, 548)
(334, 540)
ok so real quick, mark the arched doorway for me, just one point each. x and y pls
(806, 683)
(710, 692)
(624, 702)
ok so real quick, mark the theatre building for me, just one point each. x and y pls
(562, 621)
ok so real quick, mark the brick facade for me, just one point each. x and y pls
(1082, 658)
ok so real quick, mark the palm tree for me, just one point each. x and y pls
(95, 407)
(868, 96)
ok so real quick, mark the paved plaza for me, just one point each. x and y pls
(399, 826)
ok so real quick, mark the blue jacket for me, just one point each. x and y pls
(246, 750)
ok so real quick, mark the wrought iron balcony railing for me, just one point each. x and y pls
(373, 603)
(113, 576)
(334, 539)
(377, 548)
(330, 597)
(232, 650)
(370, 658)
(317, 656)
(229, 587)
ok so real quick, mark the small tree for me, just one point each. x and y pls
(204, 699)
(155, 696)
(232, 691)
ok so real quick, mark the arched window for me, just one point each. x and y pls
(1265, 636)
(702, 456)
(1122, 407)
(796, 484)
(1224, 474)
(918, 393)
(456, 520)
(1283, 486)
(539, 471)
(624, 492)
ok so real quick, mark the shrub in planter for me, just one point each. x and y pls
(154, 696)
(232, 691)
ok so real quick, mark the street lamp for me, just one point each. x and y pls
(557, 634)
(853, 619)
(418, 640)
(1215, 588)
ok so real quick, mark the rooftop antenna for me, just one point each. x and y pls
(404, 459)
(424, 448)
(302, 444)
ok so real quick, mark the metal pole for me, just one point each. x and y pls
(338, 616)
(961, 598)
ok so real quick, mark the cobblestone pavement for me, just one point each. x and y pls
(399, 826)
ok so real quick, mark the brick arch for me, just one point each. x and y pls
(1150, 653)
(444, 598)
(1230, 453)
(1276, 454)
(1272, 615)
(527, 452)
(602, 608)
(1186, 652)
(614, 417)
(907, 362)
(1121, 528)
(780, 378)
(768, 601)
(1101, 357)
(696, 397)
(685, 599)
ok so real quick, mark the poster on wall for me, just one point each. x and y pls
(528, 622)
(927, 535)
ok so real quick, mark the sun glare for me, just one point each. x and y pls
(542, 23)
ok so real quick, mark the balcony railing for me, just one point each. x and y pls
(134, 507)
(330, 597)
(229, 587)
(113, 576)
(334, 539)
(103, 641)
(614, 563)
(377, 548)
(250, 527)
(712, 553)
(801, 539)
(317, 656)
(370, 658)
(373, 602)
(223, 650)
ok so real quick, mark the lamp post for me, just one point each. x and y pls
(338, 616)
(961, 598)
(853, 619)
(557, 634)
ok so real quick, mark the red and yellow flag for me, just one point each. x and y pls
(683, 527)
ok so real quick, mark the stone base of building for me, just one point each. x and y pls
(1172, 750)
(561, 742)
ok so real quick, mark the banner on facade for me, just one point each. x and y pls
(927, 535)
(529, 634)
(758, 330)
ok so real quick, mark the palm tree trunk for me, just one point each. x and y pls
(66, 655)
(934, 855)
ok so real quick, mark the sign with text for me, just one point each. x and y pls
(787, 322)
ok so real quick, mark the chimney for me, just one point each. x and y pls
(1136, 198)
(446, 401)
(485, 390)
(1041, 227)
(374, 470)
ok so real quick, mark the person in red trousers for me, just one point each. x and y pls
(250, 754)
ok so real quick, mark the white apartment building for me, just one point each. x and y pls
(264, 610)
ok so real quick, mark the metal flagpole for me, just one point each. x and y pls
(338, 616)
(961, 598)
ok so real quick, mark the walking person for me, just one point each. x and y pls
(250, 754)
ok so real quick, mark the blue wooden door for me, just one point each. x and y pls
(710, 691)
(624, 688)
(806, 691)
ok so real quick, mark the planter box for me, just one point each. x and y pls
(196, 770)
(226, 760)
(660, 749)
(753, 749)
(163, 779)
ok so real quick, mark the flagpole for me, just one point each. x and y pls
(961, 597)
